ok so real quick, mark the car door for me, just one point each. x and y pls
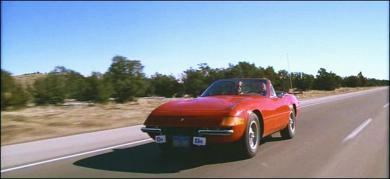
(280, 110)
(270, 111)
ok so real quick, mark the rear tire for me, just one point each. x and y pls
(289, 131)
(249, 142)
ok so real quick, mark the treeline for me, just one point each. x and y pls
(125, 80)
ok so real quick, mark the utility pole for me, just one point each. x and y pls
(288, 62)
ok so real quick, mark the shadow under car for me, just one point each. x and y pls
(147, 158)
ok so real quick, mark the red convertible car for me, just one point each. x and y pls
(239, 111)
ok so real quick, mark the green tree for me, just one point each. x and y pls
(302, 81)
(12, 94)
(376, 82)
(96, 89)
(326, 80)
(355, 81)
(362, 79)
(194, 82)
(242, 70)
(351, 81)
(50, 89)
(283, 83)
(127, 79)
(270, 73)
(74, 82)
(164, 85)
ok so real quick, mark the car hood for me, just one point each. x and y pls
(210, 103)
(201, 111)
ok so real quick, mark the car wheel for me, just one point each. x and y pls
(289, 131)
(250, 141)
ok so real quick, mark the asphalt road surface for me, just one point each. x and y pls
(338, 136)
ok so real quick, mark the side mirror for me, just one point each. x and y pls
(280, 94)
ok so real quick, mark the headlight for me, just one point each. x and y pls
(232, 121)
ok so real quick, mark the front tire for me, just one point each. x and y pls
(289, 131)
(249, 143)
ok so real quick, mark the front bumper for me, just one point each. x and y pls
(151, 130)
(213, 135)
(201, 132)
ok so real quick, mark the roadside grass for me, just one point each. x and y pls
(319, 93)
(42, 122)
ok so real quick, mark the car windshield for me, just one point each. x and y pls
(237, 87)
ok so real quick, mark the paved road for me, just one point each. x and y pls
(338, 136)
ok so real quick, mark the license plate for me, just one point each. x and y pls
(180, 141)
(160, 139)
(199, 141)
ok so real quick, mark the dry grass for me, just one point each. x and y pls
(317, 93)
(28, 79)
(40, 122)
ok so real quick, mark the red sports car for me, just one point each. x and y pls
(240, 111)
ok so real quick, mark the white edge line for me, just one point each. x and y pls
(73, 155)
(357, 130)
(384, 106)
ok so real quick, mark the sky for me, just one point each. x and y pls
(170, 37)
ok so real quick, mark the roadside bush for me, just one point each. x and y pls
(127, 79)
(74, 82)
(302, 81)
(350, 81)
(194, 82)
(50, 89)
(12, 94)
(95, 89)
(163, 85)
(326, 80)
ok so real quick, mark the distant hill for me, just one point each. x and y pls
(28, 79)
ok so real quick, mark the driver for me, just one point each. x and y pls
(263, 89)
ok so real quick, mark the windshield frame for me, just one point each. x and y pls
(236, 81)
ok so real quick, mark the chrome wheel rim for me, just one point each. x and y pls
(291, 122)
(253, 135)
